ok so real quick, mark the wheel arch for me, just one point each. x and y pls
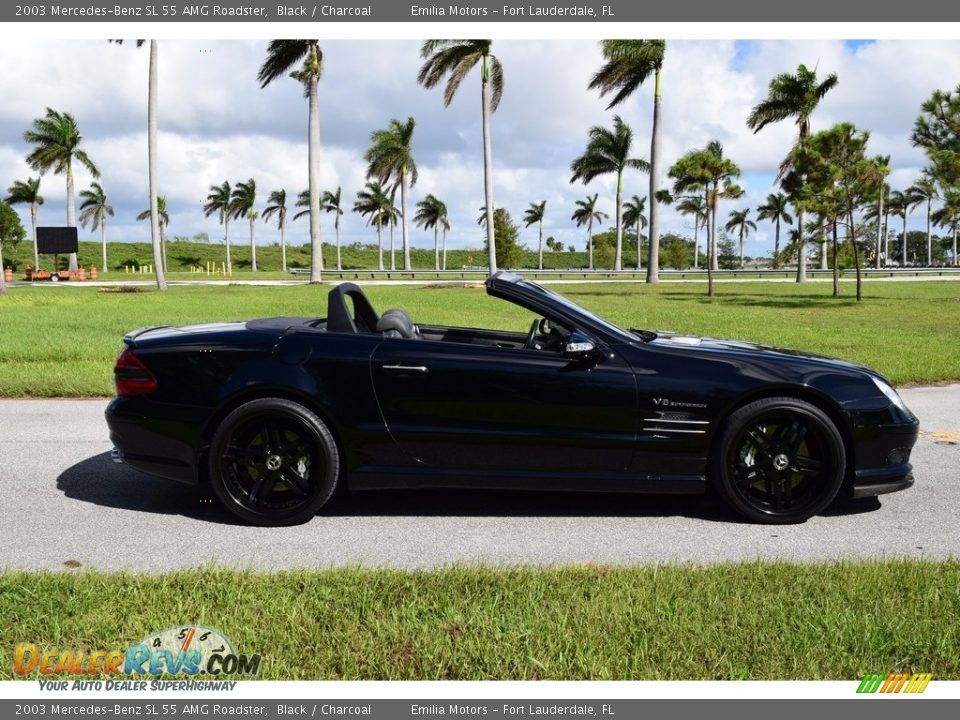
(808, 394)
(262, 392)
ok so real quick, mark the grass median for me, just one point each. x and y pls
(62, 341)
(759, 621)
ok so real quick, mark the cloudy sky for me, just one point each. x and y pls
(216, 124)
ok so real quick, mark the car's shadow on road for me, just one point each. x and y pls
(99, 481)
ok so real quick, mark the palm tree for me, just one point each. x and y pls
(95, 210)
(740, 221)
(608, 152)
(303, 201)
(159, 262)
(57, 139)
(277, 205)
(218, 201)
(282, 57)
(535, 214)
(696, 206)
(900, 204)
(241, 206)
(776, 209)
(948, 216)
(628, 64)
(370, 203)
(390, 157)
(430, 216)
(925, 188)
(792, 96)
(707, 171)
(454, 59)
(28, 193)
(331, 204)
(633, 217)
(445, 228)
(159, 210)
(880, 167)
(585, 214)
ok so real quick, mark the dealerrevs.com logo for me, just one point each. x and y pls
(189, 650)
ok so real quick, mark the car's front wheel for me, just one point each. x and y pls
(780, 460)
(273, 462)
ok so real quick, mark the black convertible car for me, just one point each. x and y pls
(279, 412)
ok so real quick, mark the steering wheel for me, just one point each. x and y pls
(531, 342)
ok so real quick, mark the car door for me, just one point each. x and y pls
(497, 416)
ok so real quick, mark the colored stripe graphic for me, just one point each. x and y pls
(895, 682)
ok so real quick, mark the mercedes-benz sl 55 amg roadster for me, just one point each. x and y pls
(278, 413)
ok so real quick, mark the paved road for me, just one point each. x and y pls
(65, 503)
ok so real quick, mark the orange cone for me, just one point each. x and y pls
(93, 272)
(8, 274)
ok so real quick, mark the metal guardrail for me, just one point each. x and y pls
(582, 273)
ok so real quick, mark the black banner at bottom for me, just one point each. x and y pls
(872, 708)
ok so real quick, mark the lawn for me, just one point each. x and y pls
(758, 621)
(62, 341)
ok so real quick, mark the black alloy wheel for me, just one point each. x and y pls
(273, 462)
(781, 460)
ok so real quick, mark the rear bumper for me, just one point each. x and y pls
(157, 446)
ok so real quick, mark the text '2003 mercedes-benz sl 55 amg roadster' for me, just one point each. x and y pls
(277, 413)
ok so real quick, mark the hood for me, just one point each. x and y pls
(742, 348)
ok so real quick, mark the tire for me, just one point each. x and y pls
(55, 277)
(273, 462)
(779, 460)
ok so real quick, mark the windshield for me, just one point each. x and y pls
(596, 319)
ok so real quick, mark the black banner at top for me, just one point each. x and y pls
(537, 11)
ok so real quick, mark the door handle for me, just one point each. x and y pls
(405, 369)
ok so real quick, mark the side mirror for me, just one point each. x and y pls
(579, 347)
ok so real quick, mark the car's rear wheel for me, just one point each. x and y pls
(273, 462)
(781, 460)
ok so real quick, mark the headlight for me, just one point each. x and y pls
(891, 394)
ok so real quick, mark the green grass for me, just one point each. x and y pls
(758, 621)
(62, 341)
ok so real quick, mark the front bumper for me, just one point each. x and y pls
(883, 458)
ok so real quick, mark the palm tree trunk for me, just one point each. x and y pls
(836, 275)
(856, 254)
(393, 257)
(155, 234)
(540, 248)
(929, 236)
(436, 248)
(33, 220)
(801, 250)
(590, 242)
(488, 165)
(741, 247)
(886, 235)
(696, 242)
(283, 248)
(776, 244)
(336, 229)
(3, 282)
(639, 254)
(226, 241)
(904, 237)
(618, 257)
(653, 263)
(380, 247)
(711, 245)
(954, 245)
(823, 259)
(103, 245)
(253, 249)
(71, 213)
(444, 248)
(880, 226)
(163, 247)
(403, 211)
(313, 161)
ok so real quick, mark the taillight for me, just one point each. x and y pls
(132, 377)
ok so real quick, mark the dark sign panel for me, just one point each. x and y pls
(56, 240)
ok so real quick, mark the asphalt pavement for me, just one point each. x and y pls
(67, 506)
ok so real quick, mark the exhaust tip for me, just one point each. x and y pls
(116, 455)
